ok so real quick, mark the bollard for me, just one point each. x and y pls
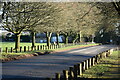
(89, 63)
(93, 61)
(65, 74)
(31, 48)
(96, 59)
(75, 72)
(83, 66)
(0, 50)
(35, 48)
(24, 48)
(86, 66)
(71, 74)
(6, 50)
(21, 49)
(57, 77)
(41, 47)
(107, 53)
(38, 48)
(79, 69)
(11, 50)
(111, 51)
(28, 48)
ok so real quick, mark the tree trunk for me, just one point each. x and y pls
(17, 41)
(33, 39)
(48, 36)
(57, 38)
(66, 39)
(76, 37)
(80, 37)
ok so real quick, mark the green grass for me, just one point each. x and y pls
(69, 47)
(105, 68)
(10, 44)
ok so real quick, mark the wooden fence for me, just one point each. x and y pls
(74, 72)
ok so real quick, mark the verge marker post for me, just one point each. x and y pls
(11, 50)
(6, 50)
(79, 69)
(65, 74)
(86, 64)
(21, 49)
(75, 72)
(24, 48)
(71, 74)
(57, 76)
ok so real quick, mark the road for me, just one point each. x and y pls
(47, 65)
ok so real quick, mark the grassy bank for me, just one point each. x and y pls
(107, 68)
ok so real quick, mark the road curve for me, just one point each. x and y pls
(47, 65)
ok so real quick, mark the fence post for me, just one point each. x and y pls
(0, 50)
(38, 47)
(35, 48)
(75, 72)
(65, 74)
(83, 66)
(79, 69)
(86, 64)
(11, 50)
(90, 63)
(24, 48)
(28, 48)
(20, 49)
(93, 61)
(6, 50)
(31, 48)
(57, 77)
(71, 74)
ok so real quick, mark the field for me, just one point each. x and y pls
(12, 44)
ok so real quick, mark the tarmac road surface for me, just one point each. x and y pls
(47, 65)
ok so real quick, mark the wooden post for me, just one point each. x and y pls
(111, 51)
(38, 48)
(79, 69)
(6, 50)
(57, 77)
(35, 48)
(71, 74)
(31, 48)
(65, 74)
(43, 47)
(83, 66)
(24, 48)
(86, 64)
(21, 49)
(75, 72)
(93, 61)
(0, 50)
(90, 63)
(28, 48)
(11, 50)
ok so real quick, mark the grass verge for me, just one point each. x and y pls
(107, 68)
(12, 55)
